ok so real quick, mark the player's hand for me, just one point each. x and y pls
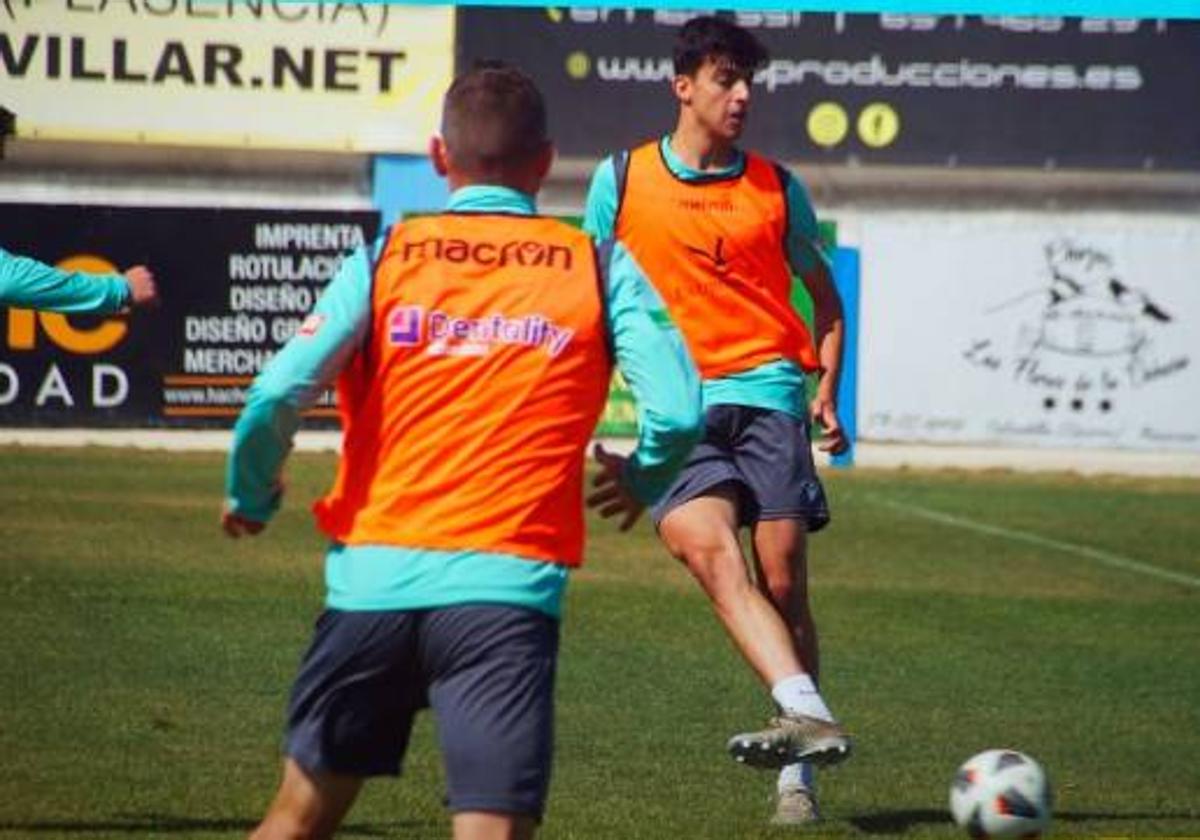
(833, 438)
(611, 497)
(235, 526)
(143, 293)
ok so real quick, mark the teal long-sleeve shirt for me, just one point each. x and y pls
(649, 352)
(27, 283)
(777, 385)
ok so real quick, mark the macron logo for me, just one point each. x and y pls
(404, 326)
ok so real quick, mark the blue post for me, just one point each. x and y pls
(846, 278)
(406, 184)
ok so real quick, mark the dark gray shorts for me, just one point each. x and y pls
(487, 672)
(766, 455)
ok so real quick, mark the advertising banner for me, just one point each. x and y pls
(235, 285)
(919, 89)
(347, 76)
(993, 329)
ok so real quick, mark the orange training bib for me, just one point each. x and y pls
(468, 410)
(715, 249)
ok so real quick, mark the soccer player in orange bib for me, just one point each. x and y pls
(473, 355)
(721, 232)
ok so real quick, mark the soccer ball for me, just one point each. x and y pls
(1001, 793)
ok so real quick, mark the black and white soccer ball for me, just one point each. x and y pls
(1001, 793)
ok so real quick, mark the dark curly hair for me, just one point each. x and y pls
(717, 37)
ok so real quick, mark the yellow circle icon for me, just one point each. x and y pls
(578, 65)
(827, 124)
(878, 125)
(87, 264)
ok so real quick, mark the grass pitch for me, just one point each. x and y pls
(146, 659)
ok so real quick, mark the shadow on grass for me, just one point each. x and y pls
(898, 822)
(156, 824)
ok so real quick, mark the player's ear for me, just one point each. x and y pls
(439, 155)
(544, 160)
(682, 85)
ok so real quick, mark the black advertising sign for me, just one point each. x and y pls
(942, 90)
(235, 285)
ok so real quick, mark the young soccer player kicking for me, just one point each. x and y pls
(474, 354)
(721, 232)
(30, 284)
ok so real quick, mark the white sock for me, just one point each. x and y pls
(798, 694)
(799, 775)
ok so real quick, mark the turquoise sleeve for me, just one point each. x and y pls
(27, 283)
(804, 248)
(600, 209)
(290, 383)
(655, 363)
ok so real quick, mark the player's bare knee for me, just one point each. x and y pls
(780, 592)
(280, 827)
(720, 569)
(789, 595)
(284, 824)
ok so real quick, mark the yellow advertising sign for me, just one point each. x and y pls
(352, 76)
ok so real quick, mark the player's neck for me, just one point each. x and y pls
(698, 149)
(527, 183)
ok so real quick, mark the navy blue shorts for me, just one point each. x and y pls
(487, 671)
(766, 455)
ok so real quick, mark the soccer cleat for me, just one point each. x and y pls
(795, 805)
(789, 739)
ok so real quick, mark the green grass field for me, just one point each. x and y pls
(146, 659)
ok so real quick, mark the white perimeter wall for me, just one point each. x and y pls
(1025, 328)
(991, 314)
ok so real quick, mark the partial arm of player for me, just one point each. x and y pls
(28, 283)
(288, 385)
(812, 264)
(600, 208)
(653, 359)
